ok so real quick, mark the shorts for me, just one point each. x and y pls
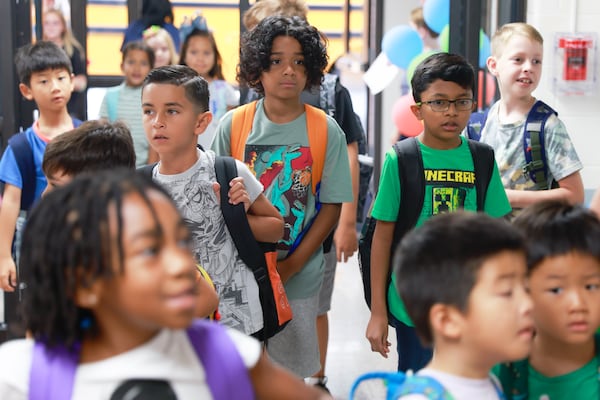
(296, 347)
(326, 291)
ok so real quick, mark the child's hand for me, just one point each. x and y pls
(8, 274)
(238, 193)
(377, 332)
(346, 242)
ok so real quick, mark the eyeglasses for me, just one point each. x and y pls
(444, 105)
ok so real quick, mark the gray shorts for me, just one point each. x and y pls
(328, 278)
(296, 347)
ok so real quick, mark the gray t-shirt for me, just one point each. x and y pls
(212, 245)
(507, 141)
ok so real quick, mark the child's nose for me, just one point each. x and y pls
(289, 69)
(180, 262)
(577, 301)
(158, 123)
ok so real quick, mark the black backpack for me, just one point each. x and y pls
(412, 182)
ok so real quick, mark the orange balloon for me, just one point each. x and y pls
(406, 122)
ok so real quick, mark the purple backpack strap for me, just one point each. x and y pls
(226, 374)
(52, 373)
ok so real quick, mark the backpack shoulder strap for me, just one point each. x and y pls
(514, 377)
(226, 374)
(425, 385)
(412, 186)
(476, 123)
(112, 102)
(536, 164)
(52, 373)
(24, 158)
(483, 163)
(241, 125)
(146, 170)
(316, 125)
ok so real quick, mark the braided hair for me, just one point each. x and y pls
(70, 242)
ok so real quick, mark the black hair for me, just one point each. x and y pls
(555, 228)
(40, 56)
(216, 70)
(255, 50)
(196, 88)
(138, 45)
(439, 262)
(445, 66)
(69, 242)
(156, 12)
(93, 146)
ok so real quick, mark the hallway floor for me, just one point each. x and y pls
(349, 351)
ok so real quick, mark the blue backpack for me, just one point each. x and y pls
(52, 373)
(534, 146)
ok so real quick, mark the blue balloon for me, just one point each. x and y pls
(401, 44)
(436, 14)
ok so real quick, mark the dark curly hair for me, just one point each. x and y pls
(69, 242)
(255, 51)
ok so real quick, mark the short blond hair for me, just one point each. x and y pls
(507, 31)
(264, 8)
(162, 33)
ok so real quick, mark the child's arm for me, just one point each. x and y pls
(11, 204)
(320, 228)
(265, 221)
(570, 189)
(346, 241)
(377, 329)
(273, 382)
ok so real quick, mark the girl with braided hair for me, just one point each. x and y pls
(111, 296)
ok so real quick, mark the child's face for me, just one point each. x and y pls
(443, 128)
(157, 286)
(519, 68)
(171, 121)
(50, 89)
(286, 77)
(498, 324)
(135, 67)
(56, 180)
(52, 27)
(200, 55)
(162, 53)
(565, 291)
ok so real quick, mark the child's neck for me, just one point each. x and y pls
(551, 357)
(111, 343)
(471, 364)
(514, 109)
(282, 111)
(439, 144)
(52, 125)
(177, 163)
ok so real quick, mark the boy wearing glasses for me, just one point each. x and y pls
(443, 88)
(516, 62)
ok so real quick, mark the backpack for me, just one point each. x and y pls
(24, 158)
(325, 100)
(112, 102)
(534, 147)
(52, 374)
(412, 175)
(514, 376)
(393, 385)
(260, 257)
(316, 126)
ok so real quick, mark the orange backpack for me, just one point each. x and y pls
(316, 125)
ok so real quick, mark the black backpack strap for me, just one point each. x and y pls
(249, 250)
(24, 158)
(412, 186)
(483, 163)
(146, 170)
(536, 164)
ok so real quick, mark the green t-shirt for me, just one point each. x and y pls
(449, 186)
(279, 156)
(582, 384)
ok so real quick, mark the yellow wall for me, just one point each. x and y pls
(104, 56)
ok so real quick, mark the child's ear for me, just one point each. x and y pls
(202, 121)
(416, 110)
(445, 321)
(491, 64)
(25, 91)
(89, 297)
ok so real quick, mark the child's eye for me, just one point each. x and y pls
(275, 61)
(507, 293)
(172, 112)
(592, 286)
(536, 61)
(555, 290)
(151, 251)
(148, 112)
(299, 62)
